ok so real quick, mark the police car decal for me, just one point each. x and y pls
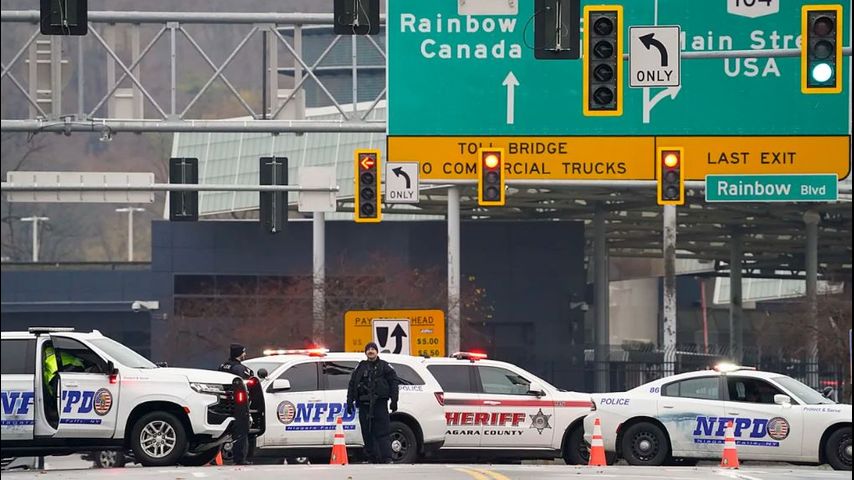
(748, 431)
(16, 404)
(103, 402)
(540, 421)
(485, 419)
(314, 416)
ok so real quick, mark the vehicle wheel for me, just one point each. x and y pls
(198, 459)
(576, 451)
(109, 459)
(645, 444)
(158, 439)
(404, 447)
(837, 450)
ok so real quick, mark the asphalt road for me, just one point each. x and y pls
(443, 472)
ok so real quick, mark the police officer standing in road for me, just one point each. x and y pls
(373, 384)
(240, 442)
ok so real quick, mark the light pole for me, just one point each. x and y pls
(35, 221)
(129, 211)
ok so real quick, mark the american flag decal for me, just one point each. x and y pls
(103, 402)
(778, 428)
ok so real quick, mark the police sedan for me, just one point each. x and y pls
(684, 417)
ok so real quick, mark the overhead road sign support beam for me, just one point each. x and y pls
(163, 187)
(33, 16)
(196, 126)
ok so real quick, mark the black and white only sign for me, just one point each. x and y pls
(392, 335)
(401, 182)
(654, 56)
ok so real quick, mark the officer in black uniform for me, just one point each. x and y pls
(240, 435)
(373, 384)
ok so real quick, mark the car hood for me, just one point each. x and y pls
(198, 375)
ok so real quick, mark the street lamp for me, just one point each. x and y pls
(129, 211)
(35, 221)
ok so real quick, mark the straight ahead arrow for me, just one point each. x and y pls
(511, 83)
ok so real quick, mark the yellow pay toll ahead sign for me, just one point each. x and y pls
(407, 332)
(623, 158)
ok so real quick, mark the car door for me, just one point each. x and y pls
(692, 411)
(462, 404)
(512, 417)
(293, 414)
(17, 389)
(88, 395)
(763, 429)
(334, 378)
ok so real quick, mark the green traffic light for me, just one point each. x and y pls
(821, 72)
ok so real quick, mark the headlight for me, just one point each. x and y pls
(211, 388)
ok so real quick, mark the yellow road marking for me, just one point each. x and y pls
(477, 475)
(493, 474)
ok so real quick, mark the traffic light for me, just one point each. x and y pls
(184, 205)
(368, 208)
(821, 49)
(273, 206)
(356, 17)
(671, 182)
(490, 177)
(603, 61)
(64, 17)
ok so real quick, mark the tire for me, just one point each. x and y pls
(576, 451)
(645, 444)
(837, 449)
(404, 446)
(109, 459)
(198, 459)
(158, 427)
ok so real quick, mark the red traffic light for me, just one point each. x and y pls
(671, 184)
(670, 159)
(490, 187)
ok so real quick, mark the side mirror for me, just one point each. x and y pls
(280, 385)
(262, 373)
(111, 368)
(161, 364)
(827, 392)
(536, 389)
(784, 400)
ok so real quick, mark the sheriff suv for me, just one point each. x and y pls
(105, 396)
(306, 392)
(496, 409)
(683, 418)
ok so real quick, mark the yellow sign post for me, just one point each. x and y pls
(422, 330)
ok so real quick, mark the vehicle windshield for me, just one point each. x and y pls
(259, 364)
(121, 353)
(803, 392)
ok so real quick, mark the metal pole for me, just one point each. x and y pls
(319, 283)
(264, 34)
(129, 211)
(736, 311)
(35, 235)
(669, 301)
(811, 219)
(453, 269)
(601, 284)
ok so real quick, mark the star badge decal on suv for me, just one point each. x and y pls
(540, 421)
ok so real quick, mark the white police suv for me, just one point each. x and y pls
(684, 417)
(496, 409)
(106, 396)
(305, 393)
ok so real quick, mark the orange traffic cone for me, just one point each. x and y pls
(339, 447)
(730, 457)
(218, 459)
(597, 447)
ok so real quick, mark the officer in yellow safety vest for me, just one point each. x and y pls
(50, 367)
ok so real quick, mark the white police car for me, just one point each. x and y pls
(109, 398)
(684, 417)
(496, 409)
(306, 391)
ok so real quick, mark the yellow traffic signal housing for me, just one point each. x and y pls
(366, 194)
(490, 177)
(602, 70)
(671, 179)
(821, 49)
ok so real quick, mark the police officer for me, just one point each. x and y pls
(373, 383)
(240, 437)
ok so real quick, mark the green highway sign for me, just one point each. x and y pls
(451, 74)
(772, 188)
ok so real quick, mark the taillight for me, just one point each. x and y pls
(240, 397)
(114, 378)
(251, 382)
(440, 397)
